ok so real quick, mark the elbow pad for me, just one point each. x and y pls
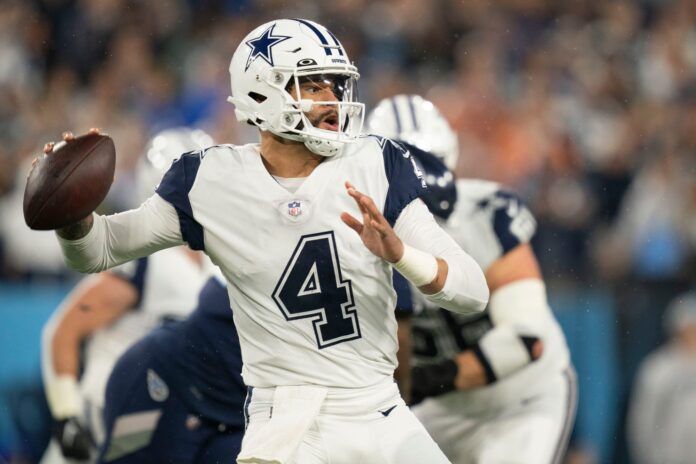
(521, 316)
(503, 351)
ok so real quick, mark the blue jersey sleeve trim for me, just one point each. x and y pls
(175, 187)
(507, 209)
(405, 178)
(441, 195)
(404, 299)
(137, 279)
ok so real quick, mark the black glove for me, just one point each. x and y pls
(433, 380)
(74, 439)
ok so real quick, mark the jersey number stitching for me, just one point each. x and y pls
(312, 287)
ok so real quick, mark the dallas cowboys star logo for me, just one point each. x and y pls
(261, 46)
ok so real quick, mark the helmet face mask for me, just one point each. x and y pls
(267, 85)
(302, 116)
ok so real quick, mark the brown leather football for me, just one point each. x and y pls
(69, 183)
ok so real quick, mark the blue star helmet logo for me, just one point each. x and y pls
(262, 46)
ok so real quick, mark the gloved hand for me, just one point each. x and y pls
(432, 379)
(75, 440)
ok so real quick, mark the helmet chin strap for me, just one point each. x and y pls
(321, 147)
(316, 145)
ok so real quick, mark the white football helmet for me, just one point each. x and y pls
(281, 54)
(162, 149)
(415, 120)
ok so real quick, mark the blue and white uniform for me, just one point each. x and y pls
(167, 284)
(313, 306)
(524, 413)
(491, 423)
(178, 395)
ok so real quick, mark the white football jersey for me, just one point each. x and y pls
(487, 222)
(311, 303)
(168, 283)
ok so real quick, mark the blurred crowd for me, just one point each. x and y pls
(586, 108)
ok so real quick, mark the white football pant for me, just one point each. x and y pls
(369, 425)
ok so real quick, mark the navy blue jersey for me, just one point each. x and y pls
(441, 194)
(202, 358)
(404, 298)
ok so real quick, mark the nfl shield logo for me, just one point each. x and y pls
(294, 208)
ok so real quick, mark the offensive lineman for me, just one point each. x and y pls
(313, 299)
(491, 399)
(112, 310)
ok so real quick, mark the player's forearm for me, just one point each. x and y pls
(438, 283)
(456, 282)
(59, 366)
(463, 372)
(65, 352)
(464, 289)
(470, 372)
(119, 238)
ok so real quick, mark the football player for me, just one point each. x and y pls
(177, 395)
(309, 282)
(495, 387)
(109, 312)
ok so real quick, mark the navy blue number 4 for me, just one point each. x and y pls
(312, 287)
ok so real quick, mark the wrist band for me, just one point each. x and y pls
(418, 267)
(63, 395)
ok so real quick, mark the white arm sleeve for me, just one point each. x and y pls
(465, 289)
(522, 304)
(62, 391)
(122, 237)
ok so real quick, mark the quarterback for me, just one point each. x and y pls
(498, 386)
(306, 227)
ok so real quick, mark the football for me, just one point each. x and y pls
(70, 182)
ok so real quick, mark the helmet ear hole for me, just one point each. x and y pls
(257, 97)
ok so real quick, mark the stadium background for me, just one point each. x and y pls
(586, 108)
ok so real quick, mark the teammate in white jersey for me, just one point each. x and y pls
(111, 311)
(309, 283)
(492, 396)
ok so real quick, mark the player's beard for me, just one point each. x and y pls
(329, 117)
